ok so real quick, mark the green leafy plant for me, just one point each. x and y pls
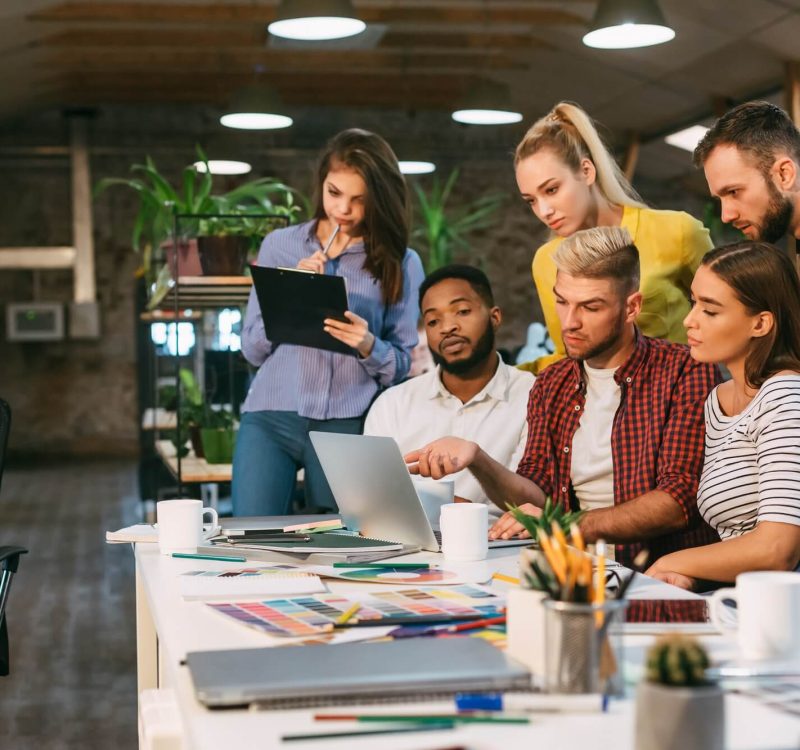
(444, 230)
(551, 512)
(159, 201)
(677, 660)
(196, 413)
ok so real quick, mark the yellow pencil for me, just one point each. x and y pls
(552, 558)
(558, 534)
(600, 587)
(345, 616)
(577, 537)
(507, 579)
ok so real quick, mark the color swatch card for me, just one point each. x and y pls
(455, 575)
(256, 582)
(306, 616)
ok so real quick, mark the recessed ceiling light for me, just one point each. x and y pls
(625, 24)
(223, 166)
(417, 167)
(688, 138)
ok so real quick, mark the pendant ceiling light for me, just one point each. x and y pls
(624, 24)
(223, 166)
(256, 108)
(315, 20)
(416, 167)
(488, 103)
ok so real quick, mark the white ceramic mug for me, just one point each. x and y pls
(767, 614)
(180, 525)
(465, 531)
(433, 494)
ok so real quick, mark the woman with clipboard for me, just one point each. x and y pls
(360, 231)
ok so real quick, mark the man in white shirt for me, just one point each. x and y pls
(472, 393)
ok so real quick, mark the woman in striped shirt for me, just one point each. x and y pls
(746, 315)
(297, 389)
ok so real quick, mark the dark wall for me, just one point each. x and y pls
(80, 397)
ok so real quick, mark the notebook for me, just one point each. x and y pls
(283, 678)
(321, 542)
(210, 585)
(295, 303)
(374, 491)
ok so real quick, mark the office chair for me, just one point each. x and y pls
(9, 556)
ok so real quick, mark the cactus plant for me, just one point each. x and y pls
(677, 661)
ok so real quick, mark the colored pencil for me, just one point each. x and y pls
(383, 565)
(346, 616)
(426, 718)
(416, 727)
(505, 578)
(221, 558)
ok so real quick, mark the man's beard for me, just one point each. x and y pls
(778, 216)
(483, 348)
(608, 343)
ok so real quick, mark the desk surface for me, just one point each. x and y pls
(189, 626)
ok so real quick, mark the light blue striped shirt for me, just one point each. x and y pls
(319, 384)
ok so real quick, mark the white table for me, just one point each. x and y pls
(168, 628)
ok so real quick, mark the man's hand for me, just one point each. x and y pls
(442, 457)
(660, 573)
(356, 333)
(507, 526)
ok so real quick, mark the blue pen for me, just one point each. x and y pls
(533, 702)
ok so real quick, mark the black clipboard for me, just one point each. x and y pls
(294, 305)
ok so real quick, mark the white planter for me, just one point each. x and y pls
(679, 718)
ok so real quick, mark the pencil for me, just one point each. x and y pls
(577, 537)
(505, 578)
(485, 623)
(600, 588)
(221, 558)
(415, 727)
(345, 616)
(552, 560)
(425, 718)
(384, 565)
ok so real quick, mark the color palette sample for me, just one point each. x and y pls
(399, 575)
(305, 616)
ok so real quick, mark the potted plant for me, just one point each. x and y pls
(160, 201)
(444, 229)
(677, 707)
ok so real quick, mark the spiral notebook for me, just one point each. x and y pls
(242, 583)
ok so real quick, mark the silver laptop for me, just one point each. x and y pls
(375, 492)
(408, 668)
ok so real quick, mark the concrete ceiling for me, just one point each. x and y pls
(416, 56)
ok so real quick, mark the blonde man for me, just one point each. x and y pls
(616, 429)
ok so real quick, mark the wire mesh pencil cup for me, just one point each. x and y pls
(584, 647)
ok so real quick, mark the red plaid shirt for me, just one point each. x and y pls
(656, 440)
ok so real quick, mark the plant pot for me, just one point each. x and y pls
(197, 441)
(679, 718)
(222, 256)
(184, 262)
(218, 445)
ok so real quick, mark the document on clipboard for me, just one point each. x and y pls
(294, 305)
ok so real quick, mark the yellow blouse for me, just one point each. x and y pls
(671, 245)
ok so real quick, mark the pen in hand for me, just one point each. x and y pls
(330, 240)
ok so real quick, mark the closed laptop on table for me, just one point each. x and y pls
(352, 672)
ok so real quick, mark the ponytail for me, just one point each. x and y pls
(570, 133)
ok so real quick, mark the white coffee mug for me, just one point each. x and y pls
(433, 494)
(180, 525)
(767, 614)
(465, 531)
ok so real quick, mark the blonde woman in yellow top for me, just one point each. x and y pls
(571, 182)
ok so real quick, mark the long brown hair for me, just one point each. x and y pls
(386, 206)
(764, 280)
(572, 136)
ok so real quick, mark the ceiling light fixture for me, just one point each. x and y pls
(488, 103)
(625, 24)
(417, 167)
(688, 138)
(223, 166)
(256, 108)
(315, 20)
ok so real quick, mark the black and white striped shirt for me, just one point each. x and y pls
(752, 460)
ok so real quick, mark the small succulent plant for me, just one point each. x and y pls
(678, 661)
(552, 512)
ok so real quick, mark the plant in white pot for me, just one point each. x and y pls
(677, 707)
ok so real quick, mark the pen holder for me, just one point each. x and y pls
(584, 647)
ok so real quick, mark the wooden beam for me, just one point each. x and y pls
(36, 258)
(479, 13)
(82, 234)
